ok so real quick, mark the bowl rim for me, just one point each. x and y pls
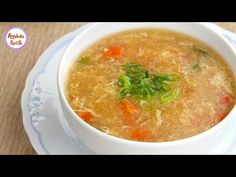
(208, 26)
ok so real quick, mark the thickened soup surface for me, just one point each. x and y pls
(150, 85)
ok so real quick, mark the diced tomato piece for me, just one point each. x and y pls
(85, 115)
(115, 51)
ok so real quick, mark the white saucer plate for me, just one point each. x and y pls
(42, 116)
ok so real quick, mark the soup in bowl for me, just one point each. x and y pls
(148, 87)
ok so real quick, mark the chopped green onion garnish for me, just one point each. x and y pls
(136, 81)
(172, 94)
(167, 77)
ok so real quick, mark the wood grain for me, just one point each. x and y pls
(14, 68)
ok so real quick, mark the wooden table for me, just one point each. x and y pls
(14, 68)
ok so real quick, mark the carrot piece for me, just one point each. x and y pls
(115, 51)
(85, 115)
(221, 116)
(227, 99)
(129, 111)
(127, 106)
(141, 134)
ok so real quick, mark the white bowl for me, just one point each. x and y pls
(102, 143)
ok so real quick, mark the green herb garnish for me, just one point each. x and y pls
(136, 81)
(160, 81)
(135, 72)
(200, 52)
(168, 96)
(167, 77)
(196, 66)
(84, 59)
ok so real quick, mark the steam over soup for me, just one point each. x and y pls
(150, 85)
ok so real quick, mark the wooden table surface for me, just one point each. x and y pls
(14, 68)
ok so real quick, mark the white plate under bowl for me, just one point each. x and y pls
(42, 116)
